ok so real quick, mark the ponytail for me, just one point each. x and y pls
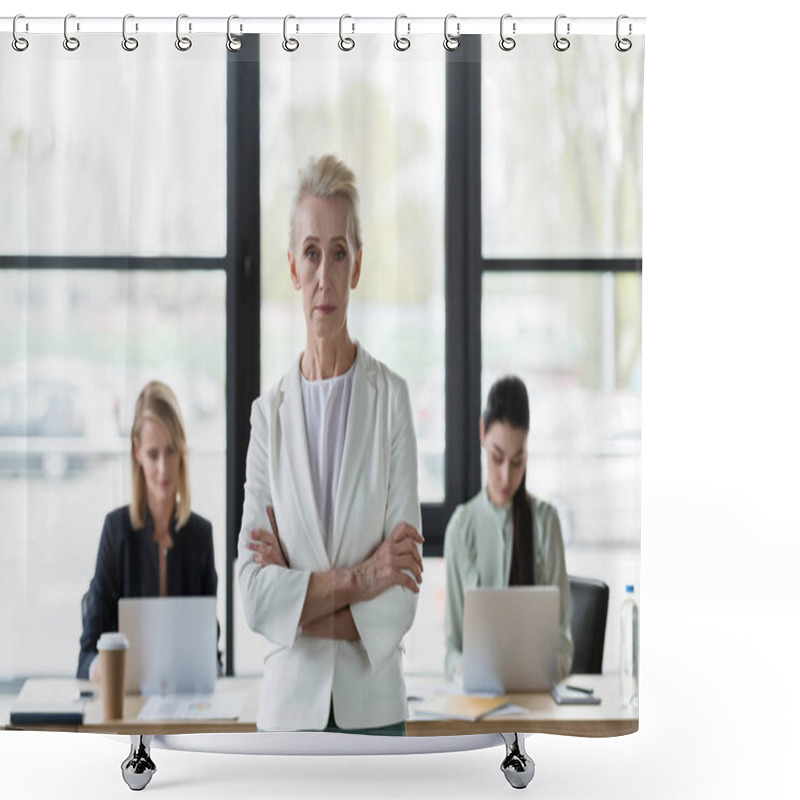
(508, 402)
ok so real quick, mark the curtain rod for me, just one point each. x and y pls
(408, 26)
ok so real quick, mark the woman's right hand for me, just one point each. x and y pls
(267, 544)
(391, 564)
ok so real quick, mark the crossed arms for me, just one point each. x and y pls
(326, 609)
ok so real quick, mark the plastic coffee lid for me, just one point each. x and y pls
(112, 641)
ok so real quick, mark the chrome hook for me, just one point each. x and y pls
(561, 43)
(451, 42)
(129, 43)
(345, 42)
(623, 45)
(507, 42)
(183, 43)
(234, 43)
(289, 44)
(71, 43)
(19, 43)
(401, 43)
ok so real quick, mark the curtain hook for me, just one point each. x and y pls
(345, 42)
(401, 43)
(234, 43)
(561, 43)
(623, 45)
(183, 43)
(19, 43)
(71, 43)
(451, 42)
(289, 44)
(507, 42)
(129, 43)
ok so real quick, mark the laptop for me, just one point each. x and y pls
(510, 639)
(172, 644)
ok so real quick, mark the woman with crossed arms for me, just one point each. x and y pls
(329, 549)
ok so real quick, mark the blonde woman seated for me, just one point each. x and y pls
(503, 536)
(156, 546)
(329, 549)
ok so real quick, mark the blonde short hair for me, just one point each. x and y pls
(326, 177)
(157, 402)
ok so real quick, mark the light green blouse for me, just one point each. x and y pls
(477, 553)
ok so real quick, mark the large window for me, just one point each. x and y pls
(109, 154)
(113, 236)
(384, 116)
(76, 347)
(575, 339)
(561, 150)
(561, 167)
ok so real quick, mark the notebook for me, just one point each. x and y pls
(173, 644)
(510, 639)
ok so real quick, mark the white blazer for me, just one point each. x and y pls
(377, 490)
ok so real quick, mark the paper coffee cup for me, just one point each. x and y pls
(112, 648)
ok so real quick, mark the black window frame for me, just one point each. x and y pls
(465, 266)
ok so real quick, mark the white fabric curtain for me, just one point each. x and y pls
(114, 198)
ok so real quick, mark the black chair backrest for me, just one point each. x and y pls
(589, 615)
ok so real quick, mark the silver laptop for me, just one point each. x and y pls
(172, 644)
(510, 639)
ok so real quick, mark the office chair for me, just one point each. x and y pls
(589, 615)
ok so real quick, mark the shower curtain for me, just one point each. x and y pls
(145, 194)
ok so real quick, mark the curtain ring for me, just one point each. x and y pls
(507, 42)
(561, 43)
(401, 43)
(129, 43)
(345, 42)
(623, 45)
(19, 43)
(451, 42)
(183, 43)
(289, 45)
(71, 43)
(234, 43)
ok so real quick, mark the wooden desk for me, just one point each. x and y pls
(37, 689)
(543, 714)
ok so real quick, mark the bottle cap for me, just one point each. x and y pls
(629, 588)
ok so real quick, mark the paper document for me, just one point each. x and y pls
(459, 706)
(508, 710)
(220, 705)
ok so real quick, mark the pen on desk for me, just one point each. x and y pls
(579, 689)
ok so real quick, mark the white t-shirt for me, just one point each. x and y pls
(325, 406)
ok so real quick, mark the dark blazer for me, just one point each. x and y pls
(127, 566)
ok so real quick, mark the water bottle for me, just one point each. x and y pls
(629, 651)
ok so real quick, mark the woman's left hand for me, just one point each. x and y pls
(266, 545)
